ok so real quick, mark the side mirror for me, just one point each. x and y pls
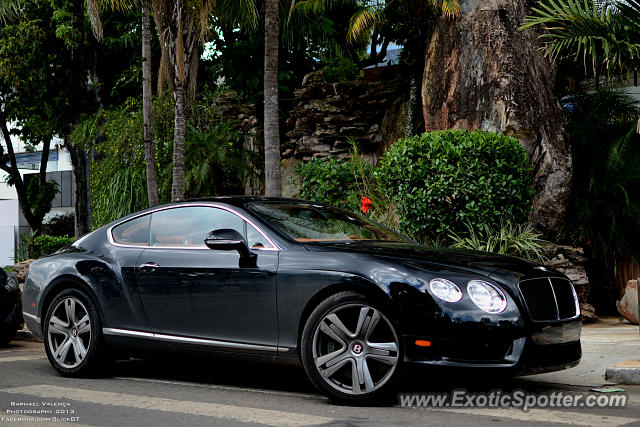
(227, 239)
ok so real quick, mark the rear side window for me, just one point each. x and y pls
(133, 233)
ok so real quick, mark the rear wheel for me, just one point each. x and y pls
(73, 335)
(350, 349)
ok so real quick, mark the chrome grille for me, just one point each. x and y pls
(549, 298)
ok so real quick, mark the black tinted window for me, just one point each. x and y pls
(316, 223)
(134, 232)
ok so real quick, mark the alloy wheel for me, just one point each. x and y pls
(355, 349)
(69, 332)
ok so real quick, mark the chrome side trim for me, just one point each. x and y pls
(186, 340)
(127, 333)
(32, 317)
(205, 205)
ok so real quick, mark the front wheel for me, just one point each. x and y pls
(73, 335)
(350, 349)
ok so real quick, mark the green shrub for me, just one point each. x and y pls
(340, 70)
(60, 225)
(32, 246)
(329, 181)
(441, 181)
(506, 238)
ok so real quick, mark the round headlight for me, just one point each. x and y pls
(445, 290)
(486, 296)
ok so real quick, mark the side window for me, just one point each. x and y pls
(133, 233)
(255, 239)
(188, 226)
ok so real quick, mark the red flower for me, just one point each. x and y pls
(366, 204)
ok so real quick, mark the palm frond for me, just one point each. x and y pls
(510, 239)
(449, 8)
(584, 30)
(10, 10)
(365, 20)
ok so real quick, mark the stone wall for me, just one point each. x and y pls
(327, 116)
(572, 262)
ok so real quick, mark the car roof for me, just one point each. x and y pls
(240, 201)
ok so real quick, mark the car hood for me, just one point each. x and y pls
(499, 267)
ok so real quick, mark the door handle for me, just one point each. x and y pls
(150, 265)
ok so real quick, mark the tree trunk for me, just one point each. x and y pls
(79, 162)
(14, 173)
(272, 163)
(482, 73)
(177, 189)
(147, 108)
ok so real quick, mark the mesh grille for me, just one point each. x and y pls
(564, 297)
(541, 296)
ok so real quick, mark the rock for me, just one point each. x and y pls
(21, 269)
(571, 262)
(327, 115)
(588, 313)
(628, 304)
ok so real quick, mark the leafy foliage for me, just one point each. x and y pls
(605, 213)
(510, 239)
(125, 193)
(430, 186)
(340, 70)
(443, 180)
(608, 37)
(215, 162)
(40, 199)
(329, 181)
(60, 225)
(32, 246)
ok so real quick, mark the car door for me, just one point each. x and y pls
(189, 290)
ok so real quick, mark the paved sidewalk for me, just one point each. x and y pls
(604, 344)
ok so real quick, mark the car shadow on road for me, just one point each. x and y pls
(268, 374)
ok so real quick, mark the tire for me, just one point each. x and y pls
(349, 335)
(6, 336)
(75, 348)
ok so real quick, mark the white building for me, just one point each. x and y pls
(12, 222)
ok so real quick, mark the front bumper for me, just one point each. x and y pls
(545, 347)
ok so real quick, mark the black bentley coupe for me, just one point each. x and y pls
(354, 301)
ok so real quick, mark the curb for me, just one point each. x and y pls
(624, 373)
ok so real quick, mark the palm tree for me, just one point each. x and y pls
(605, 34)
(147, 107)
(182, 26)
(272, 171)
(93, 12)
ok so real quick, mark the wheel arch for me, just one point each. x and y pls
(365, 288)
(62, 283)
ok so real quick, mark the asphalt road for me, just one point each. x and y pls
(181, 391)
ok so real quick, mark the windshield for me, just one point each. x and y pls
(316, 223)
